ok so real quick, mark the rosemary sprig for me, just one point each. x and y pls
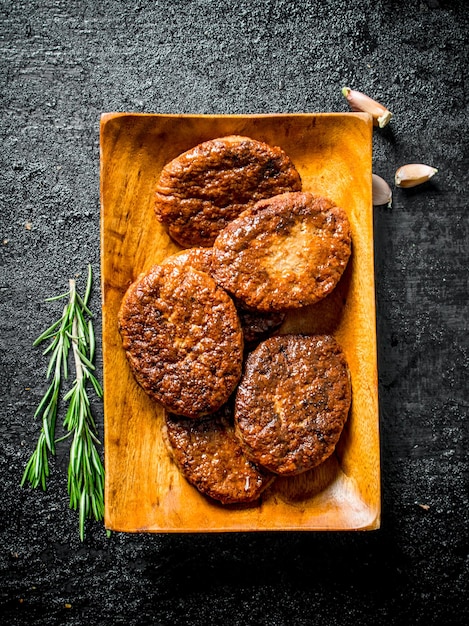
(74, 330)
(85, 470)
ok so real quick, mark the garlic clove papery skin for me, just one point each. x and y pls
(413, 174)
(381, 191)
(359, 101)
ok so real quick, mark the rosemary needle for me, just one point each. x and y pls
(37, 468)
(73, 331)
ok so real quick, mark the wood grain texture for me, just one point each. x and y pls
(144, 489)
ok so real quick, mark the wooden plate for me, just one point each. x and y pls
(144, 490)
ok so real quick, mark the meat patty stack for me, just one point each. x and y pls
(244, 403)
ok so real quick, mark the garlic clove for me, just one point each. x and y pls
(381, 191)
(359, 101)
(413, 174)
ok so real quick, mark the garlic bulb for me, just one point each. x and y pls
(413, 174)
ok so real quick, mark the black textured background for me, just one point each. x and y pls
(62, 64)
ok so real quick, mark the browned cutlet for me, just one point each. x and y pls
(286, 252)
(292, 402)
(210, 457)
(182, 338)
(203, 189)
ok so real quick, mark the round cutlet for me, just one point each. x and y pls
(182, 338)
(210, 457)
(200, 191)
(286, 252)
(292, 402)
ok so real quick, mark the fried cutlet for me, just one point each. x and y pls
(182, 338)
(210, 457)
(200, 191)
(292, 402)
(286, 252)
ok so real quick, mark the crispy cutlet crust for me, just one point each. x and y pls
(210, 457)
(197, 258)
(182, 338)
(292, 402)
(199, 192)
(286, 252)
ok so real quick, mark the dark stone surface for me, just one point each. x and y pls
(62, 64)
